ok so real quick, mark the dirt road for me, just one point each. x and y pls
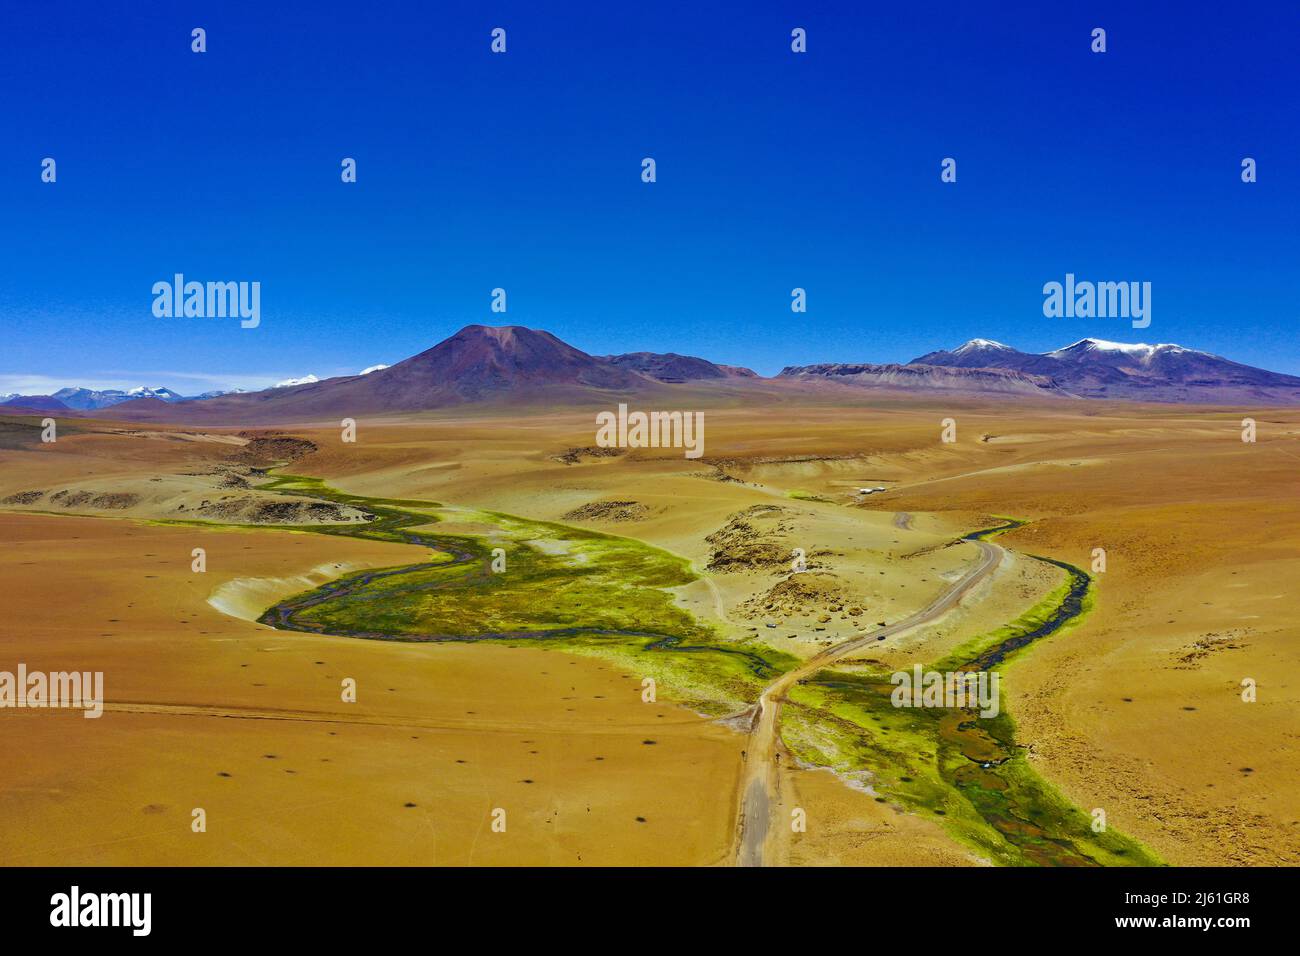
(760, 783)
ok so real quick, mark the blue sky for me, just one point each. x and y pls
(522, 170)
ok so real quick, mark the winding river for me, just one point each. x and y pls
(1005, 794)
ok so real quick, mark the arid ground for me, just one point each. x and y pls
(1135, 708)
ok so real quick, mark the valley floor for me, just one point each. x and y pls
(1136, 711)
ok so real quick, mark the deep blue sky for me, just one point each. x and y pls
(522, 170)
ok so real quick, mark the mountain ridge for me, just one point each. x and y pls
(1099, 368)
(515, 365)
(930, 377)
(675, 368)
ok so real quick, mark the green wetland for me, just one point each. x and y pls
(611, 597)
(581, 591)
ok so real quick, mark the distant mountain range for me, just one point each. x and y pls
(671, 367)
(931, 378)
(1095, 368)
(477, 364)
(90, 399)
(19, 404)
(516, 365)
(87, 399)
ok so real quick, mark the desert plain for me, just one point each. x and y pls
(1135, 708)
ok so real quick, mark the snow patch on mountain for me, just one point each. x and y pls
(291, 382)
(145, 391)
(1138, 349)
(976, 345)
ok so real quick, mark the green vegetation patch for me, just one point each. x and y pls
(965, 771)
(579, 590)
(808, 496)
(590, 593)
(1063, 608)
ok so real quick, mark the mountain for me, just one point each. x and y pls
(512, 365)
(35, 403)
(932, 378)
(143, 409)
(671, 367)
(163, 394)
(508, 364)
(483, 362)
(217, 393)
(1096, 368)
(977, 353)
(291, 382)
(87, 399)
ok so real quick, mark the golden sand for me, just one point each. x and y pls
(209, 711)
(1137, 711)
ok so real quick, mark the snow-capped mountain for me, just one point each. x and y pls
(977, 353)
(1097, 368)
(86, 399)
(144, 391)
(1100, 348)
(291, 382)
(373, 368)
(90, 399)
(977, 345)
(515, 364)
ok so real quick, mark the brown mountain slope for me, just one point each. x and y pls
(671, 367)
(931, 378)
(479, 364)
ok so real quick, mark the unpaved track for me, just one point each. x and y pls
(475, 725)
(760, 780)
